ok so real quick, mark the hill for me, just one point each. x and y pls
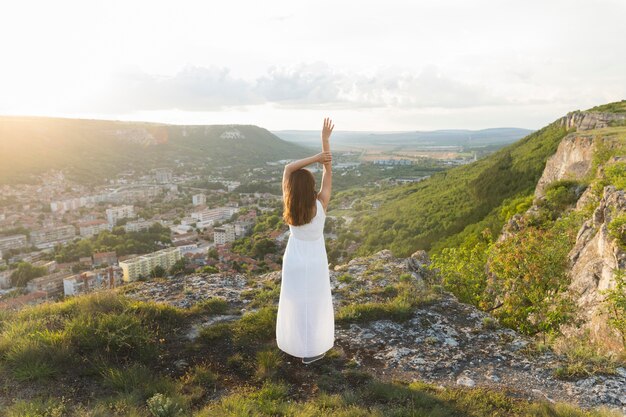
(448, 137)
(403, 347)
(433, 213)
(90, 150)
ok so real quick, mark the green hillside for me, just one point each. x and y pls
(90, 150)
(420, 216)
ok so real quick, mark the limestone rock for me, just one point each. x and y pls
(572, 160)
(590, 120)
(595, 257)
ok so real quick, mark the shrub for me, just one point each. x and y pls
(162, 406)
(617, 230)
(529, 277)
(217, 331)
(212, 305)
(616, 175)
(345, 278)
(615, 304)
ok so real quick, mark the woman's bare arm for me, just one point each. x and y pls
(321, 157)
(327, 174)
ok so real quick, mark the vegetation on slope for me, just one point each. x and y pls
(422, 215)
(92, 150)
(523, 278)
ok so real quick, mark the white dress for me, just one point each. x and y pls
(305, 324)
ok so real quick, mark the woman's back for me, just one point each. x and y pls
(314, 229)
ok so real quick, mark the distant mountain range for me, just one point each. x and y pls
(448, 137)
(91, 150)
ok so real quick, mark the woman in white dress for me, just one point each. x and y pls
(305, 324)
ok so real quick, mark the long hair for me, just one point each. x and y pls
(299, 198)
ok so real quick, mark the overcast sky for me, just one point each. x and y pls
(370, 65)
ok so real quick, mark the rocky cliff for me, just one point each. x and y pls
(595, 256)
(594, 260)
(572, 161)
(588, 120)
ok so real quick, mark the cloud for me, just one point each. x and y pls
(192, 89)
(302, 86)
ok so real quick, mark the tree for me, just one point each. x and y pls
(178, 267)
(158, 272)
(25, 272)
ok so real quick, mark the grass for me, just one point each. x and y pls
(213, 305)
(583, 359)
(406, 297)
(268, 363)
(42, 341)
(380, 399)
(220, 378)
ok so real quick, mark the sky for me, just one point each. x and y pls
(369, 65)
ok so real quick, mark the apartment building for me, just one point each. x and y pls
(51, 284)
(208, 217)
(89, 281)
(198, 199)
(163, 175)
(102, 258)
(48, 237)
(224, 234)
(142, 266)
(92, 228)
(12, 242)
(120, 212)
(138, 226)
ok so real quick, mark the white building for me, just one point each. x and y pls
(48, 237)
(138, 226)
(92, 228)
(120, 212)
(224, 234)
(5, 278)
(142, 266)
(163, 175)
(199, 199)
(12, 242)
(207, 217)
(92, 280)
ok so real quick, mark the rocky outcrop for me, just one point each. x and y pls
(586, 120)
(444, 341)
(595, 257)
(572, 160)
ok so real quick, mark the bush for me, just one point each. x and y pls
(212, 305)
(529, 277)
(345, 278)
(617, 230)
(162, 406)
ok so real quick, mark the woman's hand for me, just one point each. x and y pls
(324, 157)
(327, 128)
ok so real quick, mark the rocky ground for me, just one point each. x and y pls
(445, 342)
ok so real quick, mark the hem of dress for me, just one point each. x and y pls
(307, 355)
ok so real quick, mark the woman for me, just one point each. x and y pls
(305, 324)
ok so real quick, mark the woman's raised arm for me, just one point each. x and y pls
(327, 174)
(322, 158)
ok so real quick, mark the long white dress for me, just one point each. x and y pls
(305, 324)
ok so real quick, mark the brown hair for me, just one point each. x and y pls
(299, 198)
